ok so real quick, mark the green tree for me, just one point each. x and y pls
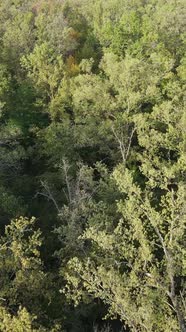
(138, 267)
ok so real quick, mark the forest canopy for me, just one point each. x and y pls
(92, 166)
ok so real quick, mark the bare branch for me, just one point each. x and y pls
(48, 194)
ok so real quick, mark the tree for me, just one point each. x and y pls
(20, 323)
(92, 143)
(138, 267)
(23, 281)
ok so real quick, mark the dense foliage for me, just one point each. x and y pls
(92, 166)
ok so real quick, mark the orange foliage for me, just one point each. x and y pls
(72, 66)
